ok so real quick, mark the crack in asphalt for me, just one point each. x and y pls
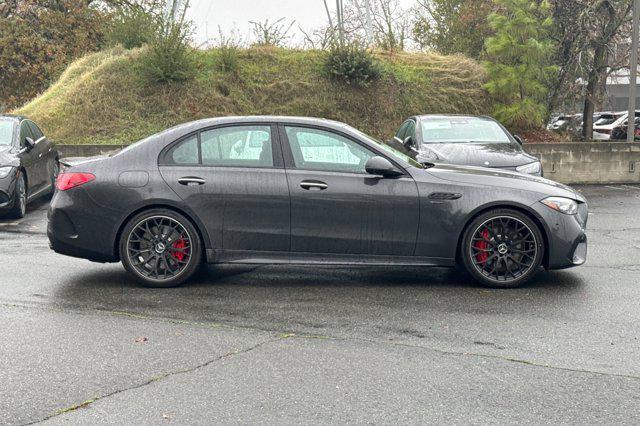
(153, 380)
(281, 337)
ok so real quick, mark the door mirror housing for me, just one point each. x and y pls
(29, 143)
(518, 139)
(380, 166)
(408, 142)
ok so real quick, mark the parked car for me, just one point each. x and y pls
(560, 123)
(265, 190)
(28, 165)
(603, 127)
(570, 124)
(464, 140)
(620, 132)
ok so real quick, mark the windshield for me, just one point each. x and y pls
(462, 130)
(395, 153)
(6, 131)
(606, 119)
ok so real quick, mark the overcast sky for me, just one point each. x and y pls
(229, 14)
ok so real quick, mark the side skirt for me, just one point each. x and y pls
(276, 257)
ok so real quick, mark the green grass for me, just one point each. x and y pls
(103, 99)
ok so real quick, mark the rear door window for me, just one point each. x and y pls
(237, 146)
(185, 152)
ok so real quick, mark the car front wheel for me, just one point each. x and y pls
(502, 248)
(161, 248)
(19, 209)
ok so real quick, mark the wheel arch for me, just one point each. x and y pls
(202, 232)
(521, 208)
(23, 172)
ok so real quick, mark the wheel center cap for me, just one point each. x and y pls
(160, 248)
(503, 249)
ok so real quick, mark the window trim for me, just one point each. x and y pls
(289, 161)
(276, 151)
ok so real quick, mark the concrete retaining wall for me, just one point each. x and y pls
(593, 162)
(571, 163)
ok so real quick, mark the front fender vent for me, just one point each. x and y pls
(442, 196)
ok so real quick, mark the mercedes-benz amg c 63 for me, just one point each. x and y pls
(284, 190)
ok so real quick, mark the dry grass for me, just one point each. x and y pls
(102, 98)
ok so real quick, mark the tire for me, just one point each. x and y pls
(160, 248)
(502, 248)
(19, 209)
(55, 169)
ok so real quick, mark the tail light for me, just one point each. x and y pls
(71, 180)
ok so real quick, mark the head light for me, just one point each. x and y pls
(562, 205)
(531, 169)
(5, 171)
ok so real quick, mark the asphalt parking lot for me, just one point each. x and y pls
(82, 343)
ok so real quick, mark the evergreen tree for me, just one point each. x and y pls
(519, 62)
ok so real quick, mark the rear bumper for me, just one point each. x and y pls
(76, 228)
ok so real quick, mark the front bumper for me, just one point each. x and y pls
(597, 136)
(566, 235)
(7, 192)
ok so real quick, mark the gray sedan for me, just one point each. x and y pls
(266, 190)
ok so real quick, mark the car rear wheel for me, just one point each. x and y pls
(55, 170)
(502, 248)
(161, 248)
(19, 209)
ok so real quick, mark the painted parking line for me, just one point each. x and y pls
(11, 223)
(617, 188)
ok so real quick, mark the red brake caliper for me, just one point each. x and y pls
(179, 244)
(482, 245)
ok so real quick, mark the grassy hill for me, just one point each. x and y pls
(102, 98)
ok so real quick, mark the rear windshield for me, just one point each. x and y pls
(6, 131)
(462, 130)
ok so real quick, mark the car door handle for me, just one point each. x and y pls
(313, 185)
(190, 181)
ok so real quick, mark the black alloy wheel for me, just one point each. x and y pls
(19, 209)
(161, 248)
(502, 248)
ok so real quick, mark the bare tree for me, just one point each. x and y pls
(271, 33)
(587, 33)
(389, 21)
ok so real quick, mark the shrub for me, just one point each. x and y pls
(131, 27)
(169, 57)
(352, 64)
(228, 58)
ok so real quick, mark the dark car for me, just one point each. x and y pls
(464, 140)
(619, 132)
(28, 165)
(265, 190)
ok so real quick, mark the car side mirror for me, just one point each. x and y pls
(518, 139)
(29, 143)
(380, 166)
(408, 141)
